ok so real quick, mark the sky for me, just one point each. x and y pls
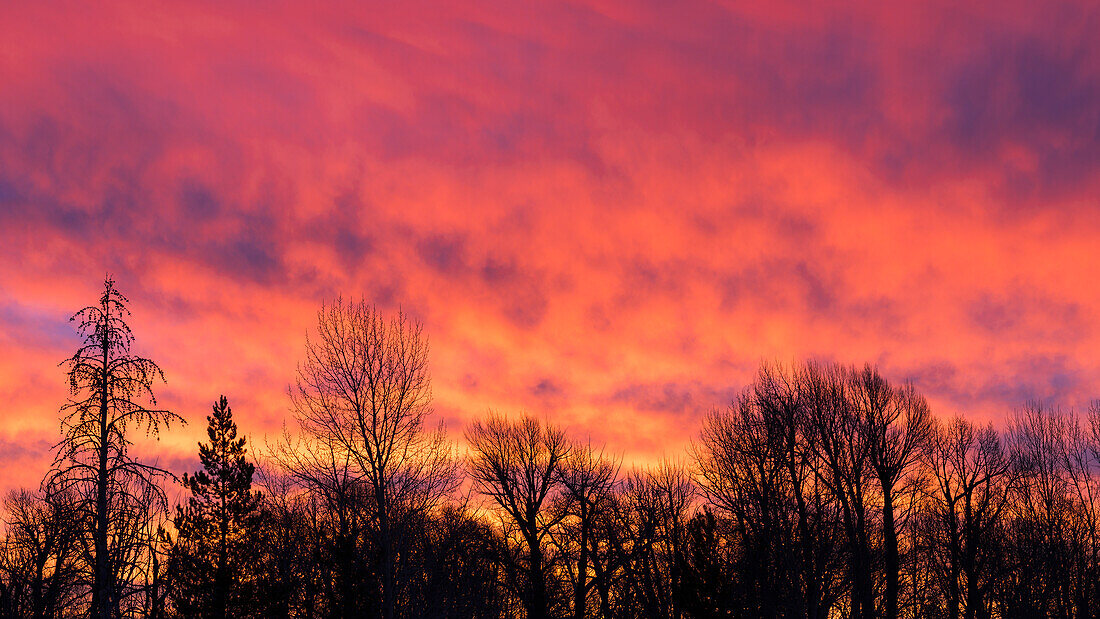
(606, 214)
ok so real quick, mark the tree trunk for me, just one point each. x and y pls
(580, 590)
(812, 593)
(536, 608)
(221, 578)
(386, 547)
(863, 596)
(605, 598)
(890, 541)
(101, 598)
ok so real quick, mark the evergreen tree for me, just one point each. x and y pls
(216, 530)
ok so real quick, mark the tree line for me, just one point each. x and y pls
(821, 490)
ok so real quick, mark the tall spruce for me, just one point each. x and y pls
(115, 496)
(217, 529)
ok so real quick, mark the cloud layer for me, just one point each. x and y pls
(607, 213)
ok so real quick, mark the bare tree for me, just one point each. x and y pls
(834, 429)
(329, 506)
(289, 547)
(1082, 463)
(589, 480)
(363, 396)
(39, 560)
(744, 473)
(518, 465)
(139, 549)
(654, 507)
(1045, 527)
(757, 466)
(109, 387)
(968, 509)
(898, 427)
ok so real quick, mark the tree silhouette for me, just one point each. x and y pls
(589, 480)
(965, 515)
(836, 431)
(362, 398)
(109, 388)
(518, 465)
(758, 468)
(216, 539)
(39, 571)
(898, 427)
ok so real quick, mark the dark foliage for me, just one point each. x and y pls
(212, 561)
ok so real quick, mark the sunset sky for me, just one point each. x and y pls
(605, 213)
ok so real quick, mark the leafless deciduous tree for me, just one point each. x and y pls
(835, 431)
(589, 479)
(653, 510)
(898, 428)
(966, 515)
(518, 465)
(1044, 525)
(362, 399)
(758, 468)
(1082, 464)
(111, 491)
(39, 560)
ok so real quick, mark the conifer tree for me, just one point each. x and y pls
(216, 529)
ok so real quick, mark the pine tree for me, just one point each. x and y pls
(213, 554)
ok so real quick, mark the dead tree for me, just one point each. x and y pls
(112, 392)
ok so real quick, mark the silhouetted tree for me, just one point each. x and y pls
(835, 430)
(710, 569)
(362, 398)
(331, 511)
(655, 507)
(460, 575)
(1082, 462)
(898, 427)
(40, 574)
(111, 492)
(745, 475)
(965, 517)
(759, 468)
(589, 480)
(217, 530)
(517, 464)
(291, 546)
(1043, 533)
(158, 575)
